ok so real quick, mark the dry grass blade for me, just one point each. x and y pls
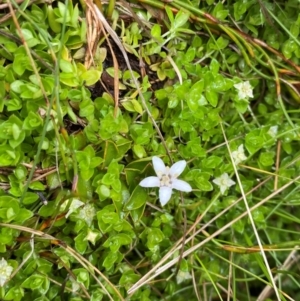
(93, 35)
(230, 277)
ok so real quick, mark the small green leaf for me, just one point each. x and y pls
(221, 84)
(139, 151)
(32, 121)
(212, 97)
(66, 66)
(69, 79)
(180, 19)
(288, 48)
(36, 185)
(154, 237)
(23, 215)
(253, 141)
(241, 106)
(266, 158)
(110, 259)
(30, 198)
(156, 31)
(116, 241)
(214, 66)
(110, 218)
(103, 192)
(90, 77)
(16, 131)
(239, 226)
(87, 108)
(137, 199)
(37, 282)
(211, 162)
(204, 184)
(190, 54)
(21, 63)
(195, 95)
(82, 276)
(170, 15)
(15, 293)
(81, 242)
(136, 106)
(128, 278)
(222, 43)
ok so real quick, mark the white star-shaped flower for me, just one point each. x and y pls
(87, 213)
(5, 271)
(182, 276)
(166, 179)
(239, 155)
(245, 90)
(273, 131)
(223, 182)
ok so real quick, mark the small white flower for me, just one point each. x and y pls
(223, 182)
(5, 271)
(273, 131)
(166, 179)
(182, 276)
(75, 204)
(87, 213)
(245, 90)
(239, 155)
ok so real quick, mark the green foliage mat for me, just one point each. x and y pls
(90, 93)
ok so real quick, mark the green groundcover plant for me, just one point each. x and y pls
(149, 150)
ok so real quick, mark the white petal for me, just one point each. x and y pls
(238, 86)
(223, 188)
(241, 95)
(241, 148)
(250, 93)
(181, 185)
(150, 182)
(164, 195)
(177, 168)
(234, 155)
(182, 276)
(230, 182)
(242, 157)
(239, 155)
(158, 165)
(217, 181)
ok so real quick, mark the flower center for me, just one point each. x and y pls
(223, 182)
(240, 156)
(166, 180)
